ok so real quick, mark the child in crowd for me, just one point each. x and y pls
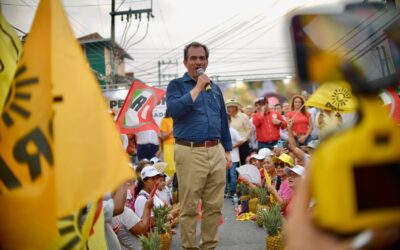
(149, 177)
(163, 191)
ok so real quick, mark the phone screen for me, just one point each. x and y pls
(361, 48)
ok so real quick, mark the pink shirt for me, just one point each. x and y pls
(285, 192)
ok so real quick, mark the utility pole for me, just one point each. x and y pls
(112, 43)
(128, 13)
(166, 75)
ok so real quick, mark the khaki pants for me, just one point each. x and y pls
(201, 175)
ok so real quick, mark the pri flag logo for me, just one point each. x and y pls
(137, 111)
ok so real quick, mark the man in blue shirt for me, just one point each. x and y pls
(202, 147)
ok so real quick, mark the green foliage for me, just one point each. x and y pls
(262, 196)
(272, 219)
(153, 242)
(243, 189)
(160, 214)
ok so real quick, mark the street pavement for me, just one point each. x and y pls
(234, 235)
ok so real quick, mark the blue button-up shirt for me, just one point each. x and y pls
(202, 120)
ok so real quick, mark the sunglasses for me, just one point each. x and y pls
(280, 165)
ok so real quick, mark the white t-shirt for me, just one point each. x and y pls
(141, 201)
(164, 195)
(127, 220)
(235, 136)
(146, 137)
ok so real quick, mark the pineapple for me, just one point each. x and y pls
(262, 204)
(272, 222)
(161, 226)
(244, 191)
(253, 201)
(153, 242)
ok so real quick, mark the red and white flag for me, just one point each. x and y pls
(137, 111)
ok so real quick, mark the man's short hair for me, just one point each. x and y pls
(194, 45)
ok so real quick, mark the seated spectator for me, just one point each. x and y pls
(149, 177)
(163, 191)
(129, 226)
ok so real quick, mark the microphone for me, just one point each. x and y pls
(200, 71)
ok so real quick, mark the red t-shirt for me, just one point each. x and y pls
(265, 130)
(300, 122)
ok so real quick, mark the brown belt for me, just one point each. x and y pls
(206, 144)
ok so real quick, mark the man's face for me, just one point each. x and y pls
(196, 59)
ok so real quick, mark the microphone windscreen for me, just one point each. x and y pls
(200, 71)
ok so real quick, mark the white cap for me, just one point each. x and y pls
(149, 171)
(154, 160)
(262, 154)
(297, 169)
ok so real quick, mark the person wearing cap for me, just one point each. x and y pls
(294, 176)
(268, 124)
(258, 104)
(149, 177)
(260, 156)
(267, 171)
(202, 147)
(242, 124)
(285, 198)
(284, 194)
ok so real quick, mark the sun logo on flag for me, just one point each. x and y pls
(70, 231)
(16, 94)
(340, 97)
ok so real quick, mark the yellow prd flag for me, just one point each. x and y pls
(335, 96)
(76, 229)
(89, 157)
(10, 53)
(27, 169)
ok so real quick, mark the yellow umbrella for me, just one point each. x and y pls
(335, 96)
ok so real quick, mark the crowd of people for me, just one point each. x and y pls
(277, 139)
(190, 167)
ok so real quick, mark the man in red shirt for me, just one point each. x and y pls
(267, 123)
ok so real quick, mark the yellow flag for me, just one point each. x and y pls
(335, 96)
(59, 148)
(10, 53)
(27, 169)
(77, 228)
(89, 157)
